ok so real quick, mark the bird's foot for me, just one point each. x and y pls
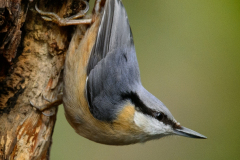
(48, 109)
(53, 17)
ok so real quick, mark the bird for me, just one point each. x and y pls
(103, 97)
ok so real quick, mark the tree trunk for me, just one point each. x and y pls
(32, 53)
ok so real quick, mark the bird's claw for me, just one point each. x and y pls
(53, 17)
(47, 109)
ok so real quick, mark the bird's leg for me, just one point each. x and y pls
(52, 103)
(50, 16)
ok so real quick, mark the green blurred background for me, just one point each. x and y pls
(189, 57)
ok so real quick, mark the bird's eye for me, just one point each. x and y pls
(158, 116)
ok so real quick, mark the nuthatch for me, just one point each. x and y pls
(103, 97)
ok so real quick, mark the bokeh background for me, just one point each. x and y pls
(189, 57)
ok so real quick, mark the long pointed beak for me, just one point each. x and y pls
(183, 131)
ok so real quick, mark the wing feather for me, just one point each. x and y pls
(113, 67)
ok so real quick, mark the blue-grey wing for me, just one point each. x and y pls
(114, 32)
(113, 67)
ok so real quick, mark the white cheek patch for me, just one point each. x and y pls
(150, 125)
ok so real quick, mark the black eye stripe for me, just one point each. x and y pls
(134, 98)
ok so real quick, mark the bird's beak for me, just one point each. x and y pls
(183, 131)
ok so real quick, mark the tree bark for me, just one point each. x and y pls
(32, 53)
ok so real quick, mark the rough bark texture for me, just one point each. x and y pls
(32, 54)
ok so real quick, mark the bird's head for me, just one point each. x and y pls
(154, 119)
